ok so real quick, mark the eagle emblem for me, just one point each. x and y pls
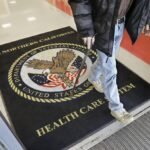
(61, 71)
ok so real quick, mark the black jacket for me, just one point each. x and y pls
(98, 18)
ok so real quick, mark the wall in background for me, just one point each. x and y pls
(62, 4)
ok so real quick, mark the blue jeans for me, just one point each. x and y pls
(106, 71)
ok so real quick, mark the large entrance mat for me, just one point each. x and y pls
(37, 75)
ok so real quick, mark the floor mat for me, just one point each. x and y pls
(37, 78)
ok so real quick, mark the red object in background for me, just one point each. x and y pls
(62, 4)
(141, 48)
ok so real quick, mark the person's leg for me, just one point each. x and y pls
(107, 68)
(110, 72)
(95, 75)
(109, 82)
(96, 70)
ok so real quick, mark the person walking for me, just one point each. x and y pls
(101, 24)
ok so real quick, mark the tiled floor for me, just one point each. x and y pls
(22, 18)
(30, 18)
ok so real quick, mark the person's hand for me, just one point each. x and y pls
(88, 41)
(146, 30)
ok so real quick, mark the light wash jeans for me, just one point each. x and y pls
(106, 71)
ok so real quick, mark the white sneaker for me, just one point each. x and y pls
(97, 85)
(124, 117)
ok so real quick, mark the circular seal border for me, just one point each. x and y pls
(41, 100)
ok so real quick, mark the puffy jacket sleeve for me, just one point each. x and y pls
(82, 13)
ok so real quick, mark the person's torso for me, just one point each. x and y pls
(105, 13)
(102, 7)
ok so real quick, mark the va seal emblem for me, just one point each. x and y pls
(47, 74)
